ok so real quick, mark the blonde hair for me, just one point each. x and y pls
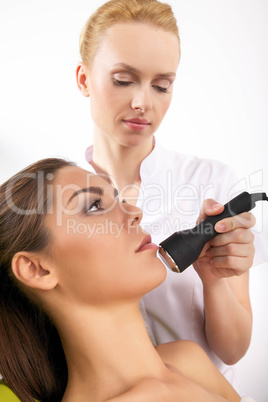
(122, 11)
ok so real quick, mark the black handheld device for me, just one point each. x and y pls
(183, 248)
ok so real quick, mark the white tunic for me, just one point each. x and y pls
(173, 187)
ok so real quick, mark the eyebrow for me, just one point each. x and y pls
(136, 71)
(94, 190)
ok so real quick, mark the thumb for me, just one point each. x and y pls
(208, 208)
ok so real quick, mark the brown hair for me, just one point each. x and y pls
(32, 361)
(121, 11)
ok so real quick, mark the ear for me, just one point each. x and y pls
(28, 269)
(81, 79)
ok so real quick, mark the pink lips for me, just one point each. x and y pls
(146, 244)
(137, 124)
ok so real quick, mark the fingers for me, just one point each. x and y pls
(209, 207)
(240, 236)
(238, 265)
(233, 250)
(244, 220)
(239, 260)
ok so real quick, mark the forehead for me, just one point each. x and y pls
(135, 43)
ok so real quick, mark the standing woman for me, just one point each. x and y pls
(130, 52)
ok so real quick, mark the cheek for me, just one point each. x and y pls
(105, 94)
(83, 248)
(165, 104)
(105, 109)
(160, 109)
(86, 260)
(101, 280)
(108, 271)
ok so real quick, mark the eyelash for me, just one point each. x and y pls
(99, 205)
(161, 89)
(96, 203)
(121, 83)
(128, 83)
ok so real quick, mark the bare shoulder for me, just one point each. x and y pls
(190, 360)
(151, 390)
(155, 390)
(182, 352)
(187, 357)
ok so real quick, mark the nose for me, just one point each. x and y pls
(132, 214)
(142, 101)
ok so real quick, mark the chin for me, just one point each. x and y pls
(135, 139)
(159, 272)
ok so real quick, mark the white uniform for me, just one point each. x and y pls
(173, 187)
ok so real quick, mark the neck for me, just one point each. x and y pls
(121, 162)
(109, 348)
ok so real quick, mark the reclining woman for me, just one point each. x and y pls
(74, 265)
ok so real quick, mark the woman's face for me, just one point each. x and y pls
(130, 81)
(97, 241)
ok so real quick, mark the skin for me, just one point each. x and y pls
(119, 151)
(107, 218)
(134, 88)
(92, 286)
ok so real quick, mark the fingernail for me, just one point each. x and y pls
(220, 227)
(216, 206)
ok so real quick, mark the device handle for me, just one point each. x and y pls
(244, 202)
(183, 248)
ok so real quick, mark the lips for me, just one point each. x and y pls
(138, 121)
(146, 244)
(137, 124)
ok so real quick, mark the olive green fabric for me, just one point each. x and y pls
(6, 395)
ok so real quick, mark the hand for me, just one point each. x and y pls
(231, 252)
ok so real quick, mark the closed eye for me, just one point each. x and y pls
(161, 89)
(122, 83)
(162, 84)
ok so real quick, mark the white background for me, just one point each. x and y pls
(219, 110)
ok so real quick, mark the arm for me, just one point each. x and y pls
(228, 318)
(223, 268)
